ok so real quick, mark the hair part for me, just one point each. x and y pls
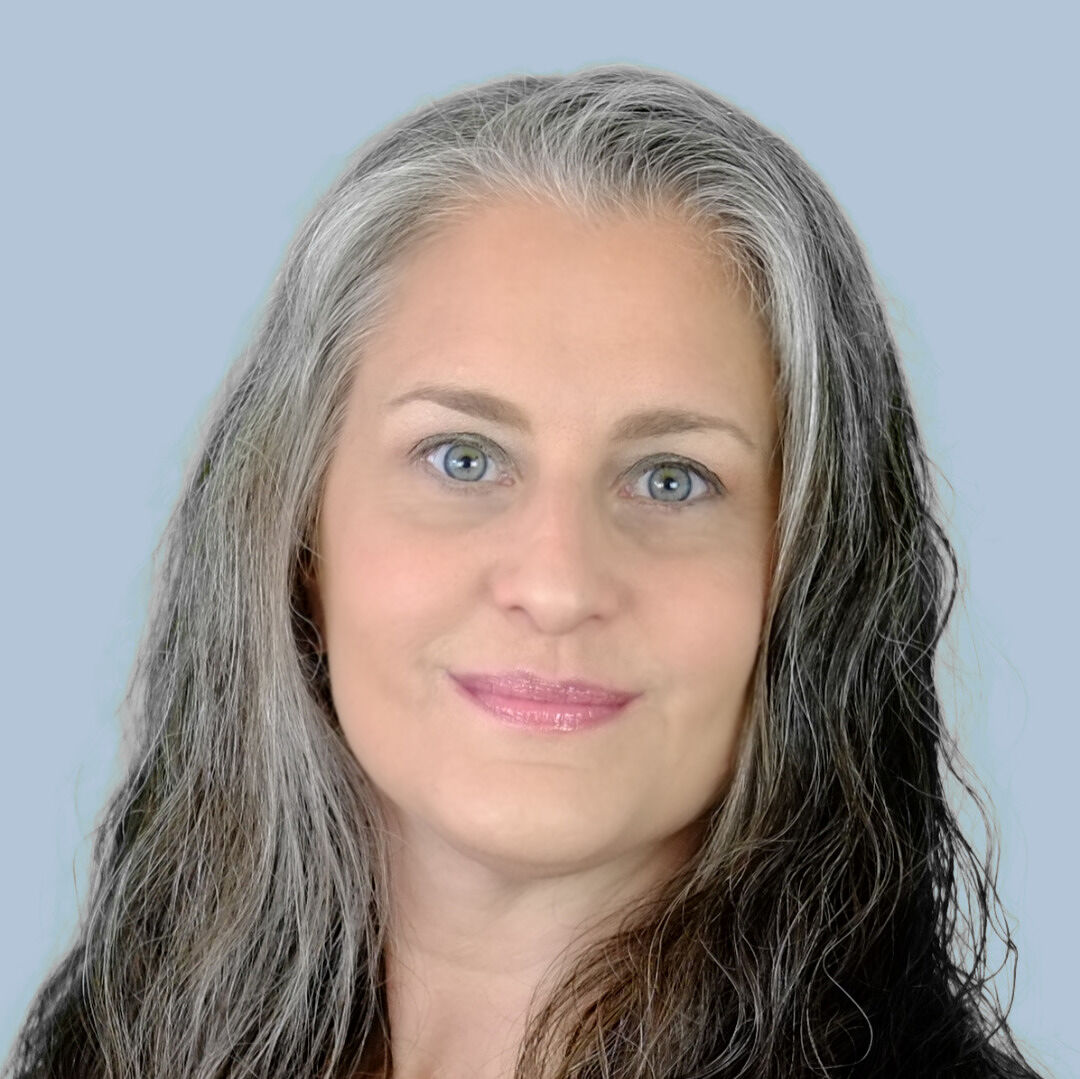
(238, 907)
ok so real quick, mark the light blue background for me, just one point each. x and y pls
(157, 162)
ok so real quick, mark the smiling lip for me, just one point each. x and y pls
(526, 700)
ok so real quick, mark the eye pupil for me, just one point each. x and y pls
(472, 470)
(668, 482)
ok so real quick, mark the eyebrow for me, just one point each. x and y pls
(647, 423)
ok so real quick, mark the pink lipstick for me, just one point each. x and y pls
(524, 699)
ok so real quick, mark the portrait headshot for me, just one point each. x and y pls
(550, 643)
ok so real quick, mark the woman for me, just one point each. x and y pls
(567, 378)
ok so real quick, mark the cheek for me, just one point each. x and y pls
(382, 579)
(388, 594)
(713, 613)
(707, 638)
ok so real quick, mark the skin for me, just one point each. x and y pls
(508, 844)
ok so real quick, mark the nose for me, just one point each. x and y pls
(556, 562)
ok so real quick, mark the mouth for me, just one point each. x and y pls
(523, 699)
(526, 685)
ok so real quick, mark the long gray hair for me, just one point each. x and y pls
(833, 920)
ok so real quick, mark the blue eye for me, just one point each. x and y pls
(471, 454)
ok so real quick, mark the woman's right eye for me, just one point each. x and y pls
(469, 456)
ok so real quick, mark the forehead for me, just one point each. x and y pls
(522, 249)
(525, 297)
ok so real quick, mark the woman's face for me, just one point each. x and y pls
(564, 557)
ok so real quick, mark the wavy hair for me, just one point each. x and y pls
(835, 920)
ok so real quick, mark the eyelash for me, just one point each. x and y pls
(714, 485)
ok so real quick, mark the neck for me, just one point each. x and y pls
(474, 947)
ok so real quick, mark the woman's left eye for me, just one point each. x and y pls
(471, 454)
